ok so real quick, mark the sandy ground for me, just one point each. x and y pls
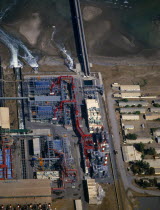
(10, 91)
(63, 204)
(129, 75)
(31, 28)
(90, 12)
(104, 33)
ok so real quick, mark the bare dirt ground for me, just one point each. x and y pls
(10, 91)
(63, 204)
(130, 75)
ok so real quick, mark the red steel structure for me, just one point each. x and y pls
(86, 139)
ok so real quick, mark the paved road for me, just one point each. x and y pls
(126, 178)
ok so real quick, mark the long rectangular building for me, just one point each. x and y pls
(129, 117)
(130, 88)
(144, 140)
(127, 95)
(152, 116)
(133, 110)
(25, 191)
(133, 103)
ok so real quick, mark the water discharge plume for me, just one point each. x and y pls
(15, 45)
(68, 59)
(6, 40)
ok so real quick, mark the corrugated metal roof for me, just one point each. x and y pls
(134, 109)
(130, 117)
(47, 98)
(130, 95)
(130, 87)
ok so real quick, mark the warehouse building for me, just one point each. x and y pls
(131, 95)
(133, 110)
(130, 88)
(155, 109)
(144, 140)
(25, 191)
(133, 103)
(4, 118)
(152, 116)
(129, 117)
(130, 153)
(127, 95)
(94, 115)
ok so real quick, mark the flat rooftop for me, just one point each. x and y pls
(25, 190)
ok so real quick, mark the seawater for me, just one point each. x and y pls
(137, 16)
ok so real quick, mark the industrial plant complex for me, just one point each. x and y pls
(60, 136)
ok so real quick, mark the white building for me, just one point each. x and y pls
(36, 146)
(130, 95)
(132, 110)
(144, 140)
(129, 117)
(130, 88)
